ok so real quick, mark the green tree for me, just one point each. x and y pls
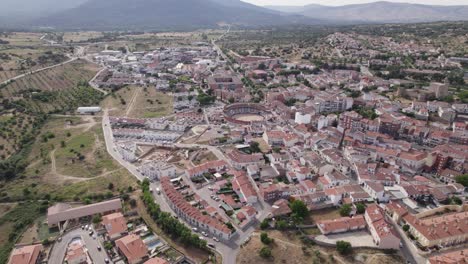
(97, 219)
(255, 147)
(265, 252)
(299, 209)
(406, 228)
(343, 247)
(264, 224)
(360, 208)
(345, 210)
(462, 179)
(281, 225)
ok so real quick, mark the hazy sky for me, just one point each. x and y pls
(346, 2)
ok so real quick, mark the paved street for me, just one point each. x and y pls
(409, 250)
(60, 248)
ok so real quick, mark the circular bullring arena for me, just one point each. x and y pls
(245, 113)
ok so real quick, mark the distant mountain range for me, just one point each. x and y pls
(166, 14)
(379, 12)
(196, 14)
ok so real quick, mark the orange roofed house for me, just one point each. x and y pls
(157, 260)
(382, 232)
(341, 225)
(115, 224)
(133, 248)
(26, 255)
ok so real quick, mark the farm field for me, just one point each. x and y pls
(5, 75)
(14, 223)
(15, 127)
(55, 90)
(82, 36)
(23, 38)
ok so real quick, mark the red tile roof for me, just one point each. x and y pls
(132, 247)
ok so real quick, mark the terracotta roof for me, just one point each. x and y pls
(377, 219)
(439, 227)
(176, 198)
(156, 260)
(132, 247)
(342, 224)
(456, 257)
(114, 223)
(25, 254)
(205, 167)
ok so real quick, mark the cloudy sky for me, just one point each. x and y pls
(346, 2)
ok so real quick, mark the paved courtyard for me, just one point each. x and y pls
(357, 239)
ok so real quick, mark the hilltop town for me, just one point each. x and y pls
(355, 146)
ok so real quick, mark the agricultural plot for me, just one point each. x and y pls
(5, 75)
(14, 129)
(28, 58)
(59, 89)
(74, 37)
(22, 38)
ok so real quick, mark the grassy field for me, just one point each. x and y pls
(150, 103)
(139, 103)
(23, 38)
(73, 37)
(69, 181)
(58, 90)
(288, 244)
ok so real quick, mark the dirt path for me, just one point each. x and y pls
(132, 102)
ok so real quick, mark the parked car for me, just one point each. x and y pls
(195, 229)
(99, 248)
(91, 233)
(215, 239)
(204, 233)
(211, 245)
(106, 260)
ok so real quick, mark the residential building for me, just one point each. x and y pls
(132, 248)
(382, 232)
(30, 254)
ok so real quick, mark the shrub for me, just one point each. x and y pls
(265, 252)
(345, 210)
(343, 247)
(265, 239)
(265, 224)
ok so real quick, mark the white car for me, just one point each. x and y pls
(195, 229)
(204, 233)
(215, 239)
